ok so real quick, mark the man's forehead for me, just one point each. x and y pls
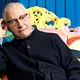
(15, 12)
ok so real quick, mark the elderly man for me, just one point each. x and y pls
(33, 55)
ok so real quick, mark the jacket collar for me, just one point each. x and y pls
(34, 35)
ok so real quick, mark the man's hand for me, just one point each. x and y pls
(3, 28)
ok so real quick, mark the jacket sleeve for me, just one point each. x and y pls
(68, 61)
(3, 59)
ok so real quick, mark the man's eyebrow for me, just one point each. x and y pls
(24, 14)
(18, 17)
(11, 20)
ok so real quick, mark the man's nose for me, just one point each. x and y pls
(20, 23)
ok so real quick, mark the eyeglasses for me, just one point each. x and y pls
(13, 22)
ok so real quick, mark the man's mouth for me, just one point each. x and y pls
(22, 30)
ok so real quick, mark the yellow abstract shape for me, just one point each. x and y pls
(62, 22)
(41, 16)
(78, 59)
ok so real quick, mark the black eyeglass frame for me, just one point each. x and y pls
(21, 17)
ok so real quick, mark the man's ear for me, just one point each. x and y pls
(28, 15)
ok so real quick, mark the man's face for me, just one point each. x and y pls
(18, 22)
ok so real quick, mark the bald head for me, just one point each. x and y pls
(14, 5)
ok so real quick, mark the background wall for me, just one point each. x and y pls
(62, 8)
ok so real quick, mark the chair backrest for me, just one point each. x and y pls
(46, 19)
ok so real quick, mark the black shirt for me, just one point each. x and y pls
(41, 56)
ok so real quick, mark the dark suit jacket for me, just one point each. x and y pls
(42, 56)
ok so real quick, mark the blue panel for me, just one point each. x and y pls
(33, 3)
(70, 11)
(41, 3)
(77, 10)
(2, 4)
(60, 8)
(26, 3)
(14, 0)
(50, 5)
(8, 1)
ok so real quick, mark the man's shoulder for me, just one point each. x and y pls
(7, 43)
(47, 34)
